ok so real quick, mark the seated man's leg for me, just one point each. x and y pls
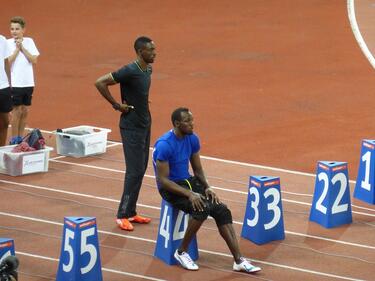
(224, 222)
(223, 218)
(181, 254)
(191, 230)
(195, 221)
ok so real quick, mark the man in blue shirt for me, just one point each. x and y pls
(192, 194)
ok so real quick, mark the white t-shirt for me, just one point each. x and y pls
(5, 52)
(21, 69)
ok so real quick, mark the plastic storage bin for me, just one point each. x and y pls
(81, 141)
(22, 163)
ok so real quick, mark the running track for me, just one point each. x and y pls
(91, 186)
(82, 187)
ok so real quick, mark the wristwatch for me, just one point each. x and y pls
(116, 106)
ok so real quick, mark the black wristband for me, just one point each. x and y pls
(116, 106)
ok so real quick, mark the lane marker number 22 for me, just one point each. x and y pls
(336, 207)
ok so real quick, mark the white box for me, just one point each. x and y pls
(23, 163)
(81, 141)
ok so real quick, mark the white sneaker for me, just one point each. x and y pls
(246, 266)
(185, 260)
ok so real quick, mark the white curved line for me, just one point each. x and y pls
(357, 33)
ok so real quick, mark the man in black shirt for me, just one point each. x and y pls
(135, 124)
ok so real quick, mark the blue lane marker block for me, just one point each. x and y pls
(6, 248)
(331, 205)
(80, 256)
(172, 227)
(365, 186)
(263, 220)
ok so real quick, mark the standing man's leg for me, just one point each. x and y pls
(22, 120)
(22, 100)
(134, 142)
(16, 117)
(147, 148)
(5, 108)
(4, 123)
(26, 103)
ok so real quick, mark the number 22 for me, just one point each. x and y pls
(336, 207)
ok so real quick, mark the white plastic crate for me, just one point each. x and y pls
(22, 163)
(81, 141)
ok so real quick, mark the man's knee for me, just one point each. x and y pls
(24, 110)
(221, 214)
(17, 109)
(18, 112)
(200, 215)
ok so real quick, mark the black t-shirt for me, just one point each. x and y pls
(134, 86)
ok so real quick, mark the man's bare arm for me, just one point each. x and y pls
(102, 85)
(196, 164)
(7, 70)
(13, 56)
(162, 171)
(31, 58)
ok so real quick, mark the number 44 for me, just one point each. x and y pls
(178, 234)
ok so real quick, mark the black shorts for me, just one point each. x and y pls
(22, 96)
(6, 104)
(219, 212)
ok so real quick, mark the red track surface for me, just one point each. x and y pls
(277, 83)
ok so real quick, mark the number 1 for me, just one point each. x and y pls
(366, 183)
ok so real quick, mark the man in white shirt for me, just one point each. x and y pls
(24, 55)
(5, 94)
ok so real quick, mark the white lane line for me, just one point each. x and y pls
(290, 193)
(113, 144)
(227, 162)
(74, 193)
(132, 274)
(258, 166)
(237, 162)
(332, 240)
(246, 165)
(103, 268)
(264, 167)
(214, 187)
(158, 208)
(291, 267)
(57, 157)
(357, 33)
(246, 188)
(61, 224)
(200, 250)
